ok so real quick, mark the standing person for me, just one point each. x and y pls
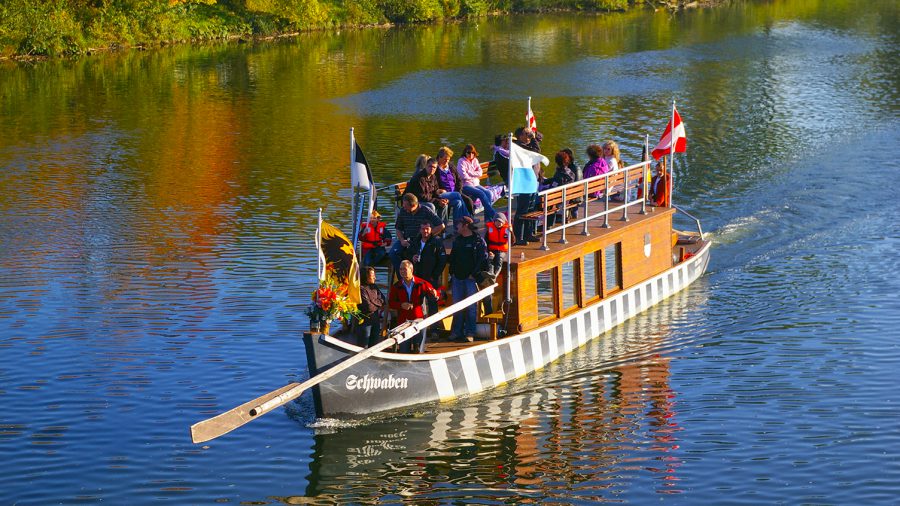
(467, 258)
(409, 219)
(428, 256)
(407, 297)
(526, 202)
(374, 238)
(501, 157)
(450, 185)
(469, 170)
(497, 236)
(368, 330)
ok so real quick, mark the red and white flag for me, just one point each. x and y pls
(529, 118)
(665, 142)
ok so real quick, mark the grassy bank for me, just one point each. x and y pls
(30, 28)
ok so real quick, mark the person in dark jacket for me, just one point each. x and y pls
(428, 257)
(368, 329)
(426, 187)
(468, 257)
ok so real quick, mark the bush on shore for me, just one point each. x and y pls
(30, 28)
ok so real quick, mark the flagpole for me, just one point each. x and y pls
(509, 210)
(321, 268)
(353, 223)
(671, 152)
(528, 114)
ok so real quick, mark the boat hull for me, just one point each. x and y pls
(389, 381)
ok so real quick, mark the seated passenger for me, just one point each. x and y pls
(497, 238)
(368, 328)
(409, 219)
(424, 185)
(450, 185)
(468, 168)
(595, 165)
(374, 238)
(659, 185)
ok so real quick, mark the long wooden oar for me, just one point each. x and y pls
(224, 423)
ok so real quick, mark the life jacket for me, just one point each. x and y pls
(371, 237)
(497, 237)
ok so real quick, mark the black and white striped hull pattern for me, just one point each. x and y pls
(390, 380)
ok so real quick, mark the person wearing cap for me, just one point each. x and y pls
(497, 236)
(467, 259)
(374, 238)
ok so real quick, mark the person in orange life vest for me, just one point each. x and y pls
(374, 237)
(659, 186)
(407, 297)
(497, 242)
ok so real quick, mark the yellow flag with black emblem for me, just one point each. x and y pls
(338, 260)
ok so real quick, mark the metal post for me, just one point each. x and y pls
(625, 190)
(544, 246)
(562, 239)
(585, 198)
(606, 198)
(644, 177)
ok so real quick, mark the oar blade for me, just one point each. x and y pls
(226, 422)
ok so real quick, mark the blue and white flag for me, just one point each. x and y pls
(521, 163)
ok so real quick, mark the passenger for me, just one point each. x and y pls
(409, 219)
(407, 297)
(501, 157)
(450, 185)
(428, 257)
(468, 257)
(659, 185)
(526, 202)
(611, 155)
(573, 165)
(596, 165)
(368, 328)
(424, 185)
(374, 238)
(420, 163)
(497, 235)
(469, 170)
(563, 174)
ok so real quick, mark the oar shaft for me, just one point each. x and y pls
(223, 423)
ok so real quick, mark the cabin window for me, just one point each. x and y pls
(590, 276)
(612, 260)
(546, 294)
(569, 285)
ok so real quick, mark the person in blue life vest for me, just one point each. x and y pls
(374, 237)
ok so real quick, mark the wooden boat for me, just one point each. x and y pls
(586, 276)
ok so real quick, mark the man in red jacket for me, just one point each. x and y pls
(407, 297)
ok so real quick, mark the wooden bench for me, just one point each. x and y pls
(575, 195)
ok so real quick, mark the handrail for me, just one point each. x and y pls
(689, 215)
(607, 210)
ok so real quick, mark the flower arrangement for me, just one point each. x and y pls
(330, 301)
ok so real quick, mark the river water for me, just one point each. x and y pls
(156, 218)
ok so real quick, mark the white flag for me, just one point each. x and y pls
(521, 163)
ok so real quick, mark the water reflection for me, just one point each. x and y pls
(588, 435)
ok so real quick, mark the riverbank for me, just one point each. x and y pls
(34, 30)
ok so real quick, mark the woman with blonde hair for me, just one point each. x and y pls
(611, 155)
